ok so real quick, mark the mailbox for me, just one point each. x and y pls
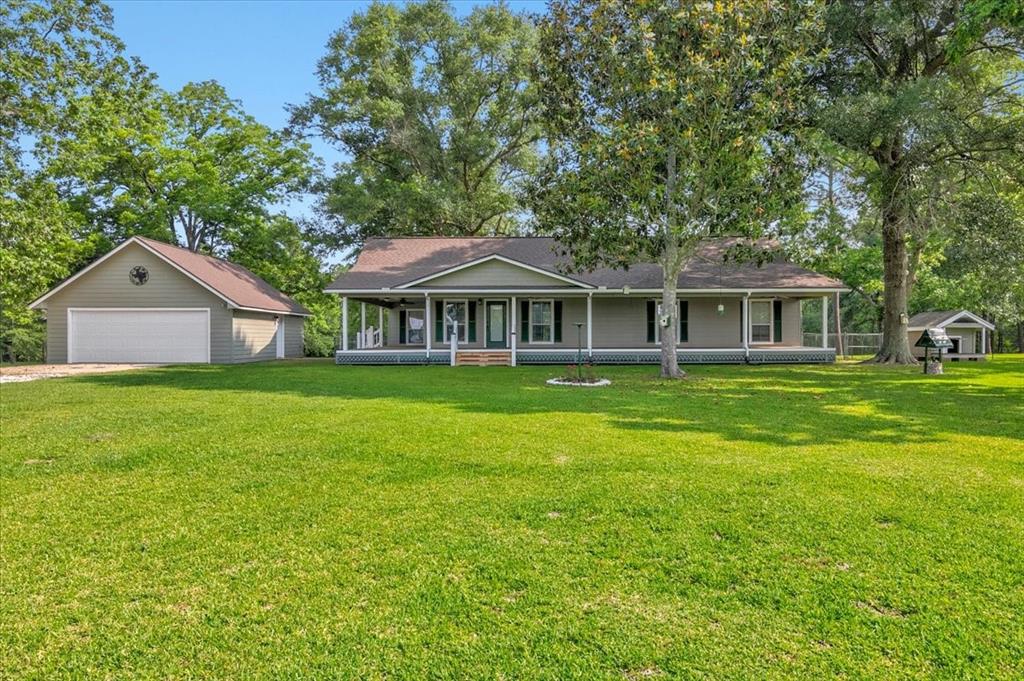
(933, 338)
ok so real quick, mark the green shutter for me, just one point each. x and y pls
(439, 321)
(401, 326)
(651, 321)
(471, 332)
(777, 314)
(558, 321)
(684, 321)
(524, 321)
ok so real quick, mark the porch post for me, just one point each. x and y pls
(362, 325)
(840, 346)
(824, 322)
(512, 332)
(984, 347)
(428, 331)
(745, 314)
(344, 323)
(380, 322)
(590, 326)
(453, 344)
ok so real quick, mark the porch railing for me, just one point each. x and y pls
(371, 338)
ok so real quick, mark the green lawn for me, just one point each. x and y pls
(308, 520)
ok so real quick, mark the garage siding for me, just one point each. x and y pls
(293, 341)
(254, 336)
(108, 286)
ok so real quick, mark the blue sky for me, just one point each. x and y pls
(263, 53)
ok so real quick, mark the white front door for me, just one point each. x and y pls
(143, 336)
(280, 337)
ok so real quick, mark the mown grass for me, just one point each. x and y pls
(307, 520)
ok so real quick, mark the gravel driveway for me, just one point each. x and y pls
(32, 372)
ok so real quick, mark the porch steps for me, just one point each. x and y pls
(482, 359)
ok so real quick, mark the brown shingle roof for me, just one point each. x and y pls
(233, 282)
(389, 263)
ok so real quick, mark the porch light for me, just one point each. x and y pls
(721, 308)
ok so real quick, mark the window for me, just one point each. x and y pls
(760, 321)
(654, 321)
(542, 321)
(414, 327)
(455, 313)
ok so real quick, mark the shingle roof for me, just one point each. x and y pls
(389, 263)
(927, 320)
(234, 282)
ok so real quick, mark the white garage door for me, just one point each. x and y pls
(142, 336)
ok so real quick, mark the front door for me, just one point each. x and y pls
(497, 330)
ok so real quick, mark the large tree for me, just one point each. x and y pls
(51, 56)
(669, 123)
(437, 114)
(924, 91)
(189, 166)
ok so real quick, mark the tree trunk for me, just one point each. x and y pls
(895, 348)
(670, 266)
(1020, 336)
(669, 334)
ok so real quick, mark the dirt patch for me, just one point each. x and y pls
(31, 372)
(881, 610)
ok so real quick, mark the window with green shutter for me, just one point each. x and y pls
(401, 327)
(652, 322)
(439, 321)
(684, 321)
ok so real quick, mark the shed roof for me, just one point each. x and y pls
(943, 318)
(392, 263)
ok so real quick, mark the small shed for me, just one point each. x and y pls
(967, 331)
(150, 302)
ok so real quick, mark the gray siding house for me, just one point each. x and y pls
(150, 302)
(513, 300)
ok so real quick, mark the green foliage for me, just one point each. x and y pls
(438, 115)
(919, 123)
(669, 124)
(191, 162)
(304, 520)
(51, 55)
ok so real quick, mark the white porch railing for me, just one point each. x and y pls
(371, 338)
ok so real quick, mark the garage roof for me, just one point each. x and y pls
(233, 283)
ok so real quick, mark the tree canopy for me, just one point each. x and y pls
(437, 114)
(921, 121)
(669, 124)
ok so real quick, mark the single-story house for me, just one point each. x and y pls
(966, 330)
(150, 302)
(513, 300)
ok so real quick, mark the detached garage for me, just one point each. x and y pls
(151, 302)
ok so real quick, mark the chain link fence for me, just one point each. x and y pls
(853, 343)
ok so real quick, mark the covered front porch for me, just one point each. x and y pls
(458, 327)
